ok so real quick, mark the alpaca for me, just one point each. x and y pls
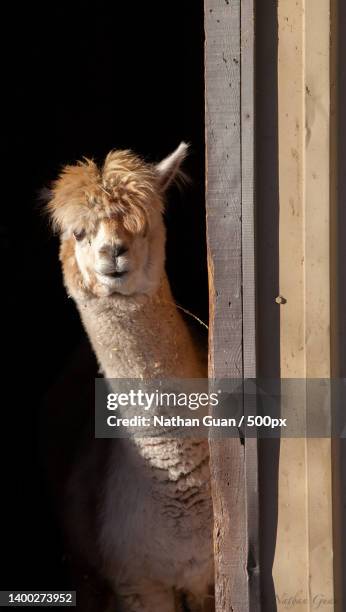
(149, 533)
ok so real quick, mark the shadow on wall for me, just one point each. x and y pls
(267, 259)
(341, 241)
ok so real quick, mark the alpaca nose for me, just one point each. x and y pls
(119, 250)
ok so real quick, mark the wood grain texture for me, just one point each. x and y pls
(304, 551)
(290, 564)
(247, 89)
(230, 226)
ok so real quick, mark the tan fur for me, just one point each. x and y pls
(125, 187)
(155, 517)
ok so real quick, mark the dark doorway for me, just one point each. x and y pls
(82, 78)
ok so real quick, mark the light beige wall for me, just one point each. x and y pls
(303, 566)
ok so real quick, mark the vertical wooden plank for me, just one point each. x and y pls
(247, 37)
(228, 122)
(223, 204)
(303, 565)
(248, 187)
(291, 561)
(318, 206)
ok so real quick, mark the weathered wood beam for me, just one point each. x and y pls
(247, 90)
(230, 228)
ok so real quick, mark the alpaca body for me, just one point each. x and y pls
(166, 538)
(155, 518)
(153, 526)
(138, 510)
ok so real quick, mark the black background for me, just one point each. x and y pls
(81, 78)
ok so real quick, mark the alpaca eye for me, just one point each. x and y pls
(79, 235)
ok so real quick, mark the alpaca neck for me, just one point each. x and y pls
(145, 337)
(140, 336)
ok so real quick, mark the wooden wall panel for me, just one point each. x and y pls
(230, 227)
(304, 553)
(247, 91)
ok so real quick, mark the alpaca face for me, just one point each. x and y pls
(113, 260)
(110, 219)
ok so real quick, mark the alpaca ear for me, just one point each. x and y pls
(169, 168)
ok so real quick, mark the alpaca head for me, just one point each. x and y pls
(111, 224)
